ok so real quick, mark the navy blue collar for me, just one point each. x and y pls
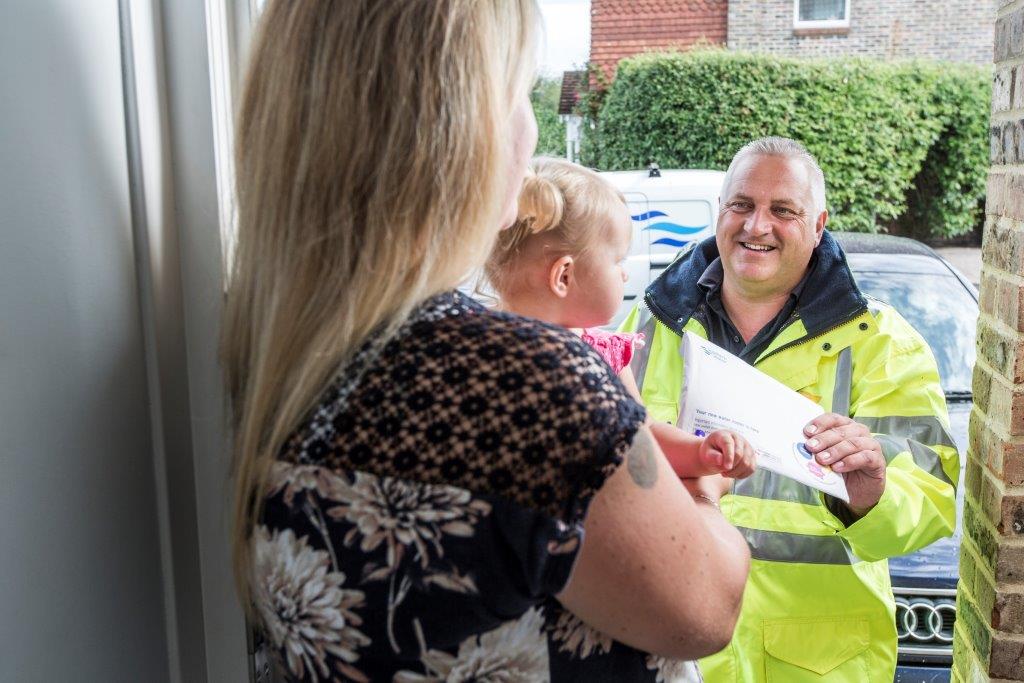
(830, 295)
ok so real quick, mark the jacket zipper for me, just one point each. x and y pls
(666, 323)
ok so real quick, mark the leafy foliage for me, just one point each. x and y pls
(550, 129)
(903, 144)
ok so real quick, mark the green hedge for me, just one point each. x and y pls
(903, 145)
(550, 129)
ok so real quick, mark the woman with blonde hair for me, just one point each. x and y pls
(427, 490)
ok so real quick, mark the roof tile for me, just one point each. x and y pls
(571, 81)
(622, 28)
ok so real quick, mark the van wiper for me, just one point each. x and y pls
(959, 396)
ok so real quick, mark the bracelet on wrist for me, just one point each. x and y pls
(711, 501)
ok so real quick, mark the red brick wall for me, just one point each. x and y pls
(621, 28)
(946, 30)
(989, 641)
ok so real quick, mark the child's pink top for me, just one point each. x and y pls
(615, 347)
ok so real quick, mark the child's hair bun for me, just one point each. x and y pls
(565, 206)
(541, 205)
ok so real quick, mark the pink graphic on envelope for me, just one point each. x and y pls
(806, 459)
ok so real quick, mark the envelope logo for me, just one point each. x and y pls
(806, 459)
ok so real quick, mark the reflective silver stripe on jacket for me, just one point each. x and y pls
(844, 382)
(642, 353)
(914, 435)
(771, 486)
(782, 546)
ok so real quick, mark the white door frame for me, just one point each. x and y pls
(180, 65)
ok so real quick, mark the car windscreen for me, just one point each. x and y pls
(941, 309)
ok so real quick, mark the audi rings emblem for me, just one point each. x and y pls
(922, 620)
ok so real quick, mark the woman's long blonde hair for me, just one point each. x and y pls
(372, 159)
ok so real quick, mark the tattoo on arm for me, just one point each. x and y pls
(641, 460)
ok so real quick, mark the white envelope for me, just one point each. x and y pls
(720, 391)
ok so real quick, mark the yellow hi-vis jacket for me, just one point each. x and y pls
(818, 604)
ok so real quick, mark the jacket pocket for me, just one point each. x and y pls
(663, 411)
(816, 649)
(805, 382)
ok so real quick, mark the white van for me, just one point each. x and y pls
(670, 209)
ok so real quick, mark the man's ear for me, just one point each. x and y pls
(560, 276)
(819, 227)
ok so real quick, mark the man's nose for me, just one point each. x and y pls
(759, 222)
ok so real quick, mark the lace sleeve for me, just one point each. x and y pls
(490, 402)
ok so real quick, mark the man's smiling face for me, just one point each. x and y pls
(767, 225)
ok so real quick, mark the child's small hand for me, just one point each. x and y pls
(729, 453)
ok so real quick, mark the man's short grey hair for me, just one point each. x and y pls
(788, 149)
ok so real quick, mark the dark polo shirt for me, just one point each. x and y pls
(721, 330)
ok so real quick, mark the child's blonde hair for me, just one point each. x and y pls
(563, 209)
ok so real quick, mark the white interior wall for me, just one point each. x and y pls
(113, 496)
(80, 563)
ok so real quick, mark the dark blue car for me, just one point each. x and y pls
(943, 306)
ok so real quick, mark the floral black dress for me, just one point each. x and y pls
(418, 523)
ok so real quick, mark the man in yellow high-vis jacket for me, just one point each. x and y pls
(773, 288)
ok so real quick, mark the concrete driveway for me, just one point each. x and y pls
(966, 259)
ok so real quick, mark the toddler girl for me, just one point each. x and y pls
(561, 262)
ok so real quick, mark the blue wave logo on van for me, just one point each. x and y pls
(669, 227)
(671, 242)
(649, 214)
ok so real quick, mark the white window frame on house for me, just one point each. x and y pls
(830, 24)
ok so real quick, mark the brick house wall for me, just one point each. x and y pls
(951, 30)
(989, 638)
(622, 28)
